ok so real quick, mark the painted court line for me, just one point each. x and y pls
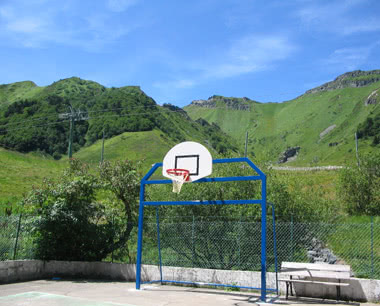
(41, 299)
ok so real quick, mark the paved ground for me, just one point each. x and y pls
(101, 293)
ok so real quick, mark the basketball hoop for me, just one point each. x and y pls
(178, 177)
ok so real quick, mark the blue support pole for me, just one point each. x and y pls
(275, 246)
(159, 242)
(140, 235)
(263, 238)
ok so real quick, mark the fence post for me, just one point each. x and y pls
(372, 267)
(113, 233)
(17, 235)
(192, 241)
(291, 237)
(239, 242)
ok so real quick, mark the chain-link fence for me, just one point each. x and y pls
(229, 245)
(16, 239)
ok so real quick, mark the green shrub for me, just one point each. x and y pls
(75, 222)
(359, 186)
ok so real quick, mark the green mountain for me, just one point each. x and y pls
(10, 93)
(34, 134)
(317, 127)
(40, 121)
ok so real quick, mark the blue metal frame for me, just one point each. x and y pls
(263, 201)
(275, 246)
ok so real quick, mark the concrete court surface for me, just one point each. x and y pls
(103, 293)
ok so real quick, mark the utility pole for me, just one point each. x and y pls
(357, 149)
(102, 154)
(71, 132)
(73, 116)
(246, 144)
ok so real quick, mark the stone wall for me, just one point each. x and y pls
(25, 270)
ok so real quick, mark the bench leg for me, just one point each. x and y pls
(287, 290)
(338, 292)
(291, 287)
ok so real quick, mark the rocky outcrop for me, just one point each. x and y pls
(318, 253)
(288, 155)
(204, 103)
(356, 78)
(373, 98)
(326, 131)
(230, 103)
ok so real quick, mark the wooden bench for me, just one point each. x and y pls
(311, 273)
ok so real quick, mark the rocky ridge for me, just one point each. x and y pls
(230, 103)
(354, 79)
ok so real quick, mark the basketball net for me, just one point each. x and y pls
(178, 177)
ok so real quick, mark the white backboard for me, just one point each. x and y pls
(191, 156)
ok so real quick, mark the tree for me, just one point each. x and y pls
(77, 221)
(123, 180)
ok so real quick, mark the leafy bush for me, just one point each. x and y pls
(370, 128)
(73, 223)
(359, 186)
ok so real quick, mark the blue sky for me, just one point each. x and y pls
(179, 51)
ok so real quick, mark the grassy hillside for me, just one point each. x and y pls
(19, 172)
(10, 93)
(148, 146)
(273, 127)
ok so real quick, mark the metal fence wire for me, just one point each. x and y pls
(16, 239)
(229, 245)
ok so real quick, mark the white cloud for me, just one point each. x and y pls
(246, 55)
(38, 23)
(120, 5)
(251, 54)
(370, 25)
(349, 58)
(337, 17)
(177, 84)
(25, 25)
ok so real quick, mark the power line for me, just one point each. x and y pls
(97, 117)
(34, 119)
(104, 111)
(160, 109)
(33, 126)
(93, 111)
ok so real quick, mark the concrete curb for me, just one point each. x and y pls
(24, 270)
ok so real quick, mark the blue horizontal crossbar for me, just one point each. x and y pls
(206, 202)
(213, 179)
(207, 284)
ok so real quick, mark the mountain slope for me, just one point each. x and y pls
(10, 93)
(36, 123)
(19, 172)
(135, 127)
(321, 122)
